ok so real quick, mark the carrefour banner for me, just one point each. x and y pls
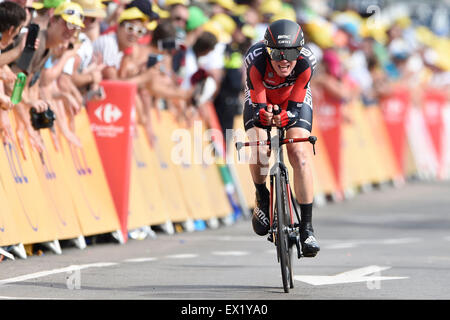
(394, 108)
(112, 122)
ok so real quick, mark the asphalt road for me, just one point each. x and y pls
(391, 243)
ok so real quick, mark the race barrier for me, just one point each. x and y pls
(118, 182)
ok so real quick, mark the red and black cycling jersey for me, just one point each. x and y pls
(265, 86)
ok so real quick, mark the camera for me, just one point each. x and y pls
(42, 120)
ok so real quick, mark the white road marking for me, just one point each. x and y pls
(145, 259)
(27, 298)
(357, 275)
(339, 244)
(401, 241)
(230, 253)
(55, 271)
(237, 238)
(343, 245)
(182, 256)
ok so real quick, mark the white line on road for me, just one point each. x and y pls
(55, 271)
(182, 256)
(230, 253)
(145, 259)
(26, 298)
(339, 244)
(342, 245)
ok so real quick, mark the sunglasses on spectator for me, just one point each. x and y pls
(289, 54)
(71, 12)
(132, 28)
(180, 19)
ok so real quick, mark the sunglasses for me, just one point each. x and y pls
(132, 28)
(289, 54)
(180, 19)
(71, 12)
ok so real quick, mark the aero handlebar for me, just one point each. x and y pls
(310, 139)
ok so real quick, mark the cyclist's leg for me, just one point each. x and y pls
(259, 168)
(300, 156)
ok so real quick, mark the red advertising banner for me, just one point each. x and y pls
(395, 109)
(329, 119)
(112, 123)
(433, 103)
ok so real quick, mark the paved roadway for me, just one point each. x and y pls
(386, 244)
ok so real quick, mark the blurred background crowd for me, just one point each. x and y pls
(183, 53)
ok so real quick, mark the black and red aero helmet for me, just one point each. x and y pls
(284, 34)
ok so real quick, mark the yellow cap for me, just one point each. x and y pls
(240, 9)
(169, 3)
(249, 31)
(71, 12)
(92, 8)
(163, 14)
(225, 21)
(132, 13)
(226, 4)
(216, 29)
(403, 22)
(286, 12)
(271, 7)
(152, 25)
(320, 33)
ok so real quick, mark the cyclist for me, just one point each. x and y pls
(279, 69)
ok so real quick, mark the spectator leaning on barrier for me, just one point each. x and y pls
(61, 29)
(162, 47)
(196, 19)
(84, 70)
(198, 78)
(179, 15)
(112, 47)
(12, 18)
(163, 84)
(11, 14)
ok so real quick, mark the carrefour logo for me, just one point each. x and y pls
(108, 113)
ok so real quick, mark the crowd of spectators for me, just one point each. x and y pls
(183, 53)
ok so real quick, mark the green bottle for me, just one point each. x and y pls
(16, 95)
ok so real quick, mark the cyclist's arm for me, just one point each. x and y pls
(300, 88)
(256, 87)
(299, 105)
